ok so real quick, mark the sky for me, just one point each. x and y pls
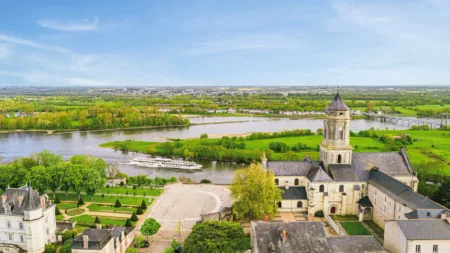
(224, 43)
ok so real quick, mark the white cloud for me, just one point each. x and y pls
(4, 51)
(71, 26)
(30, 43)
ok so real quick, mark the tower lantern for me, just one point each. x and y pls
(335, 147)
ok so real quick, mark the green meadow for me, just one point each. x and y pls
(429, 153)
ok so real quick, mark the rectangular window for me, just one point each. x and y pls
(384, 198)
(21, 238)
(418, 249)
(435, 248)
(47, 231)
(399, 208)
(362, 194)
(363, 186)
(21, 225)
(10, 237)
(375, 192)
(385, 208)
(8, 224)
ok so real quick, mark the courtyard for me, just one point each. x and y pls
(182, 204)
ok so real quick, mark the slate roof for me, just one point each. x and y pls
(365, 202)
(302, 237)
(308, 237)
(401, 192)
(98, 238)
(289, 168)
(30, 200)
(337, 104)
(297, 192)
(355, 244)
(343, 173)
(425, 214)
(391, 163)
(317, 174)
(425, 229)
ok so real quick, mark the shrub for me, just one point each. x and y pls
(139, 210)
(128, 223)
(205, 181)
(103, 195)
(50, 248)
(318, 214)
(97, 220)
(139, 241)
(143, 205)
(80, 202)
(57, 212)
(300, 146)
(57, 201)
(117, 204)
(279, 146)
(134, 217)
(204, 136)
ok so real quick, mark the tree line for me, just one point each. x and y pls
(47, 171)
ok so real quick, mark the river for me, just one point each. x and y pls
(22, 144)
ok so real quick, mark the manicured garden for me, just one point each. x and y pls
(131, 191)
(126, 200)
(110, 208)
(354, 228)
(86, 219)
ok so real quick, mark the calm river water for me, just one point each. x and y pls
(15, 145)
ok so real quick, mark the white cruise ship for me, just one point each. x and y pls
(165, 163)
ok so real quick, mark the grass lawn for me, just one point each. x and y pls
(355, 228)
(66, 206)
(126, 200)
(112, 209)
(130, 191)
(74, 212)
(344, 218)
(88, 219)
(59, 217)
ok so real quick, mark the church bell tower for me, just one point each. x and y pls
(335, 147)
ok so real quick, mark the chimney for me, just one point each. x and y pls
(266, 218)
(4, 197)
(43, 202)
(99, 225)
(85, 241)
(283, 236)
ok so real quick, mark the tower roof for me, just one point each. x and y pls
(337, 104)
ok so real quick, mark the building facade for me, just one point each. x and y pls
(111, 240)
(380, 185)
(27, 221)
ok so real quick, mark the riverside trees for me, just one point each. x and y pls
(47, 171)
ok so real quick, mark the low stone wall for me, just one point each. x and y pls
(333, 224)
(225, 214)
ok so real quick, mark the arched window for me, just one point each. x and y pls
(299, 204)
(321, 188)
(296, 182)
(341, 188)
(279, 204)
(276, 181)
(339, 159)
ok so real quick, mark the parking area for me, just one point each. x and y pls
(182, 204)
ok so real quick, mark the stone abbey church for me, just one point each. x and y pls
(381, 186)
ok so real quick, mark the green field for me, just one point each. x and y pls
(110, 208)
(355, 228)
(106, 199)
(88, 219)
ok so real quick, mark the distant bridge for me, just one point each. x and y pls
(434, 122)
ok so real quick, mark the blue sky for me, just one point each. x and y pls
(224, 43)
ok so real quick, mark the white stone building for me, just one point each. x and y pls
(114, 240)
(381, 186)
(27, 221)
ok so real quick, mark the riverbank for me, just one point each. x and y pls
(429, 153)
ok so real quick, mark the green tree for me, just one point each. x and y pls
(143, 205)
(92, 181)
(254, 192)
(57, 212)
(39, 178)
(50, 248)
(134, 217)
(204, 136)
(80, 202)
(117, 204)
(128, 223)
(66, 247)
(97, 220)
(139, 211)
(150, 227)
(216, 237)
(47, 159)
(55, 172)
